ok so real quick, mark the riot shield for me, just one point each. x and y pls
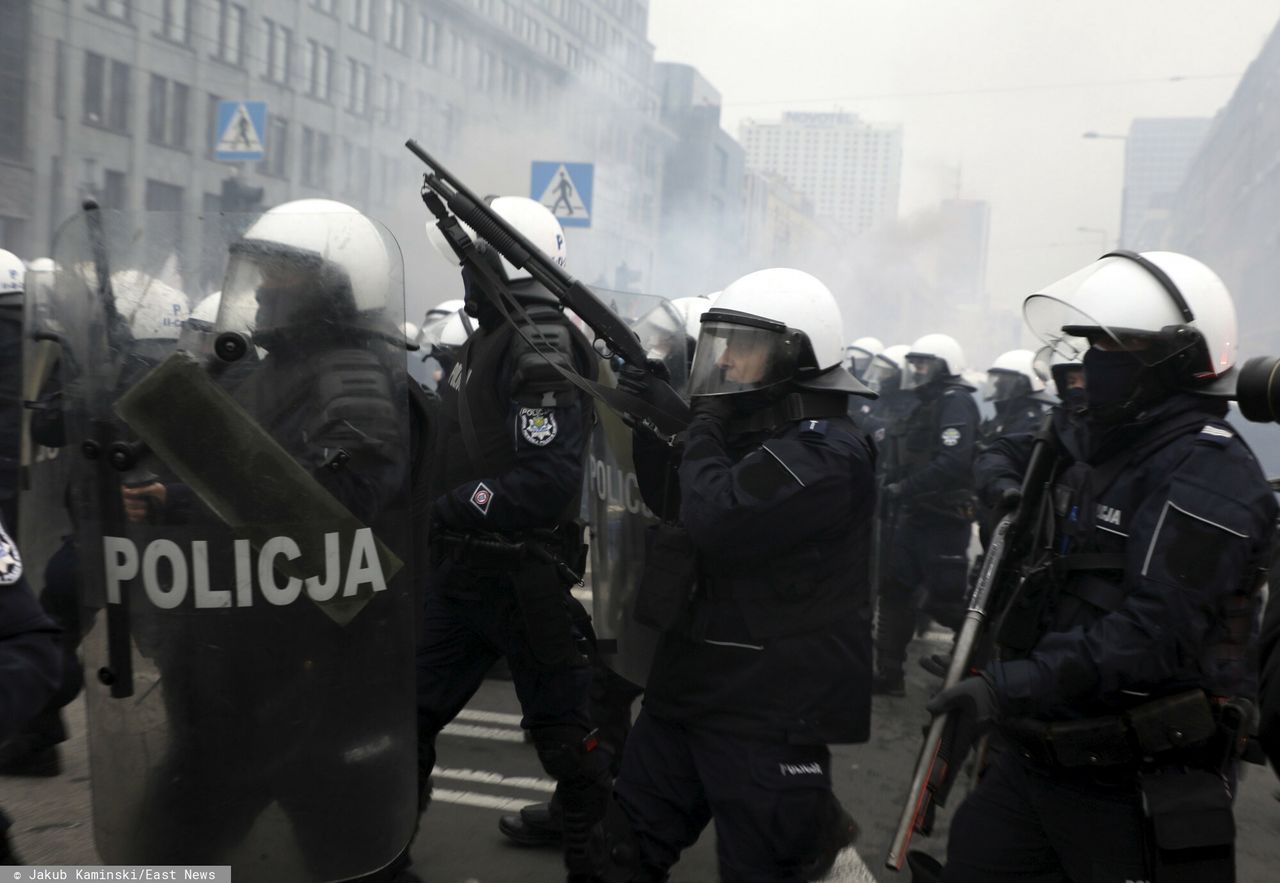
(43, 461)
(617, 515)
(243, 515)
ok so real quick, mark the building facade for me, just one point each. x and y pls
(850, 169)
(118, 99)
(1225, 212)
(1157, 153)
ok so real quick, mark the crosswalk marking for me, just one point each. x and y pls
(483, 801)
(489, 717)
(469, 731)
(484, 777)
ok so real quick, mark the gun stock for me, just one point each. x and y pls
(931, 780)
(522, 254)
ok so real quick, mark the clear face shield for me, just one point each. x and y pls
(1003, 386)
(661, 332)
(882, 376)
(922, 370)
(1059, 365)
(743, 354)
(271, 289)
(857, 361)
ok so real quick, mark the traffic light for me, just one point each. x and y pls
(239, 198)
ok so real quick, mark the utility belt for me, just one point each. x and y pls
(561, 547)
(1187, 728)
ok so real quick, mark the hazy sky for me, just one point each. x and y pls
(1022, 79)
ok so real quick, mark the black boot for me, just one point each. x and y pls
(538, 824)
(936, 664)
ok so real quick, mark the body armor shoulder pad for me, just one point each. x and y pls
(541, 355)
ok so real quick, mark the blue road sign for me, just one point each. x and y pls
(241, 133)
(565, 188)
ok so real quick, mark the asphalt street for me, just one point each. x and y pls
(486, 769)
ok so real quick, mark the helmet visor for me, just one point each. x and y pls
(858, 361)
(882, 375)
(1061, 325)
(661, 333)
(1004, 385)
(922, 370)
(733, 357)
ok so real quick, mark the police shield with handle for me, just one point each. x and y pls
(1122, 689)
(252, 646)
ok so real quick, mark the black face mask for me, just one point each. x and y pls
(1116, 385)
(1074, 398)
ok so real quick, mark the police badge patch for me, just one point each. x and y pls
(481, 497)
(10, 560)
(951, 436)
(537, 426)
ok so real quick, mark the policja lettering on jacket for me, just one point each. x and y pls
(188, 571)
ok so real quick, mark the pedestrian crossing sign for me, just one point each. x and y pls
(565, 188)
(241, 131)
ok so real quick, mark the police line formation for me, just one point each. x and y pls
(280, 563)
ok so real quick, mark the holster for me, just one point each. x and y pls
(669, 578)
(1191, 825)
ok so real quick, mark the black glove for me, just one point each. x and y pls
(1010, 497)
(637, 381)
(716, 409)
(973, 699)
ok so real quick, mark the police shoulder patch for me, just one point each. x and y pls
(481, 497)
(813, 427)
(951, 436)
(537, 425)
(10, 560)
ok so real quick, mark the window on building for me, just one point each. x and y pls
(328, 7)
(106, 97)
(167, 112)
(114, 193)
(429, 48)
(395, 17)
(162, 197)
(279, 47)
(60, 80)
(357, 87)
(276, 163)
(114, 8)
(486, 61)
(318, 62)
(362, 16)
(211, 132)
(315, 158)
(456, 55)
(231, 18)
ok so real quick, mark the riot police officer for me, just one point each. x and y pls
(1122, 685)
(765, 654)
(1016, 392)
(930, 498)
(507, 481)
(29, 656)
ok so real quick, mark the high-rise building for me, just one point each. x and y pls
(1157, 153)
(702, 230)
(850, 169)
(118, 98)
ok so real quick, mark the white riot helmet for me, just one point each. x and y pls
(884, 374)
(1177, 305)
(1013, 376)
(12, 279)
(858, 355)
(1060, 367)
(932, 358)
(411, 332)
(692, 309)
(445, 330)
(530, 218)
(768, 328)
(444, 308)
(313, 264)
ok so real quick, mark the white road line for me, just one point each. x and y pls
(484, 801)
(489, 717)
(484, 777)
(467, 731)
(849, 868)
